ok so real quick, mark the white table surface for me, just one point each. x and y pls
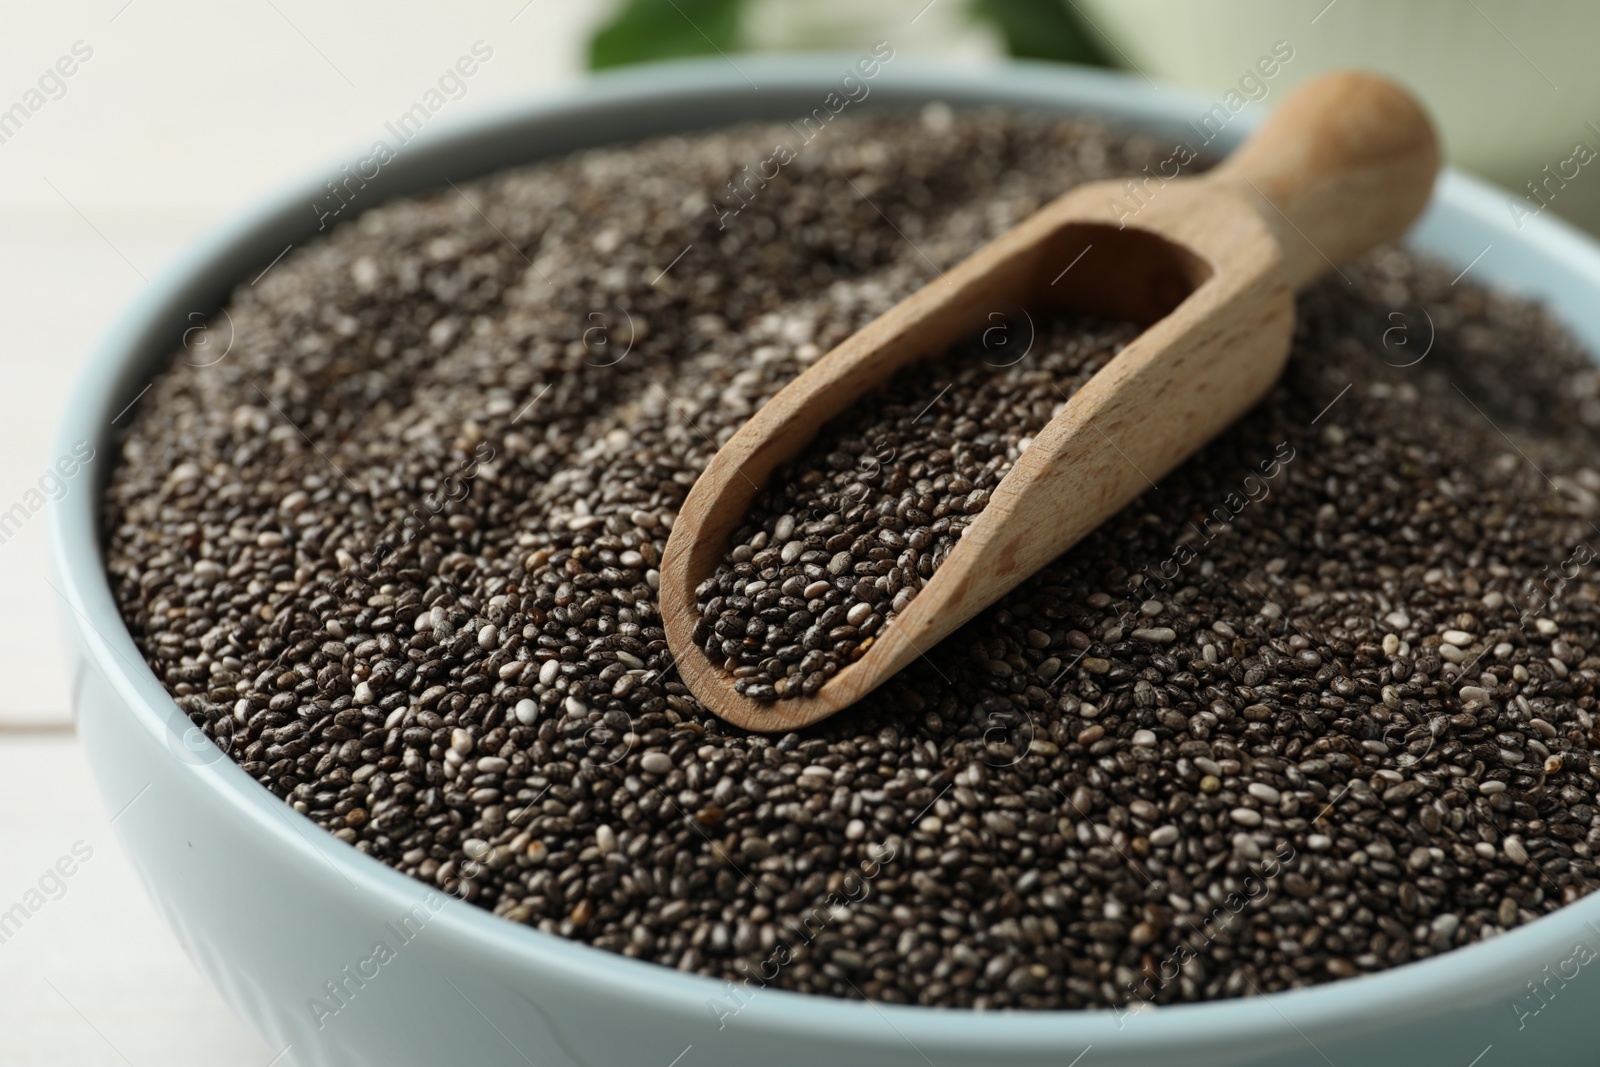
(187, 112)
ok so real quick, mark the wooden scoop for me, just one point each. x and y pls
(1208, 265)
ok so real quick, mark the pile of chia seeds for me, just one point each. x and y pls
(1318, 704)
(849, 532)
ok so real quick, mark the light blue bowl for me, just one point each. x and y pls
(277, 913)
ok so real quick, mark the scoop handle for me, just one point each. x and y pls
(1344, 164)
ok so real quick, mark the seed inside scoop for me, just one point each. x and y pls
(848, 533)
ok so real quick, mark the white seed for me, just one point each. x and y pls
(1263, 791)
(1515, 851)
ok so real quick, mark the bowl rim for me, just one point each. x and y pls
(147, 332)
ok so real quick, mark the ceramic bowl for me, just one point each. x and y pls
(287, 921)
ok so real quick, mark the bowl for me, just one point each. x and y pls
(338, 959)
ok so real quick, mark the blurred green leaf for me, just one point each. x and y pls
(663, 29)
(1042, 29)
(644, 30)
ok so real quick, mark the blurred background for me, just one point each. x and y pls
(130, 127)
